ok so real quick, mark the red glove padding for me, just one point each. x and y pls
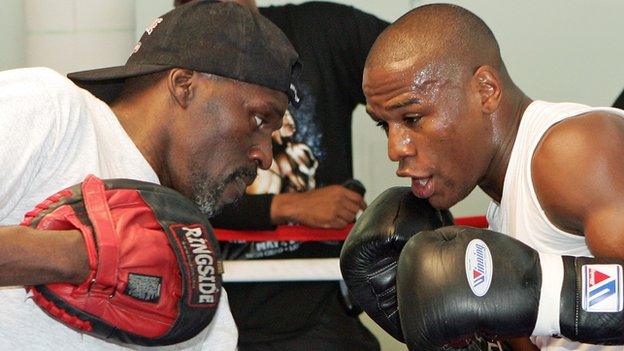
(155, 270)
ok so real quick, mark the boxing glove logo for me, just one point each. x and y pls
(602, 288)
(478, 267)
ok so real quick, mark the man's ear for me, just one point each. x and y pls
(182, 83)
(489, 86)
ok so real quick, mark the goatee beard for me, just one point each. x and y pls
(208, 194)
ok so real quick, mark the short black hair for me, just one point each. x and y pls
(135, 85)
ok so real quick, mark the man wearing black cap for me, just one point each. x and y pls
(193, 109)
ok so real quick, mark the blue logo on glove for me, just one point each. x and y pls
(602, 288)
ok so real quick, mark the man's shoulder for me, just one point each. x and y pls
(37, 82)
(578, 161)
(37, 94)
(40, 75)
(580, 140)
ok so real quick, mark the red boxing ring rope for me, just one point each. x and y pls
(303, 233)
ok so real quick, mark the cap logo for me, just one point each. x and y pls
(293, 89)
(136, 48)
(478, 267)
(149, 29)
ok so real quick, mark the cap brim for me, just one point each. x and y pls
(106, 83)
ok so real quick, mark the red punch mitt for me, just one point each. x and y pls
(155, 269)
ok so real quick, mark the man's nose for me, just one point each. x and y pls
(262, 153)
(400, 143)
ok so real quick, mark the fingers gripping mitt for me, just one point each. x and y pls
(155, 273)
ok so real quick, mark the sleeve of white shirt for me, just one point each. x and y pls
(32, 123)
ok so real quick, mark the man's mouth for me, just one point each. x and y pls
(250, 177)
(423, 187)
(244, 176)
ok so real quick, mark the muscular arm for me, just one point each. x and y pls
(578, 174)
(30, 257)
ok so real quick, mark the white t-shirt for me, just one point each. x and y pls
(52, 134)
(520, 214)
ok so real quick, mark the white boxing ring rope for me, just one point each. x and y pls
(297, 269)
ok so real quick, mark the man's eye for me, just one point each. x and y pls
(412, 120)
(259, 120)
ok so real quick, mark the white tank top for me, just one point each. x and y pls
(520, 214)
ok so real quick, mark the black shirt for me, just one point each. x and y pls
(619, 102)
(332, 41)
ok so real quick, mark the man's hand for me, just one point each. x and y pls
(29, 256)
(333, 206)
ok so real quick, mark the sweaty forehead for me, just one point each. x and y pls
(405, 75)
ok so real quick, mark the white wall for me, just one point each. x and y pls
(148, 10)
(71, 35)
(11, 34)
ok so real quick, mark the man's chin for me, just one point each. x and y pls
(232, 195)
(440, 203)
(218, 207)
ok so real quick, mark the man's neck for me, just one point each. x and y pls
(141, 122)
(508, 122)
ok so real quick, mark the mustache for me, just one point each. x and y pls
(208, 192)
(244, 173)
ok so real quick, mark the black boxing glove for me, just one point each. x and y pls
(456, 283)
(344, 296)
(370, 253)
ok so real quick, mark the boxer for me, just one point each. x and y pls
(436, 84)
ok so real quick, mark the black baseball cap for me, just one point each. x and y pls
(225, 39)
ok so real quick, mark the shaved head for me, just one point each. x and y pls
(435, 82)
(438, 32)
